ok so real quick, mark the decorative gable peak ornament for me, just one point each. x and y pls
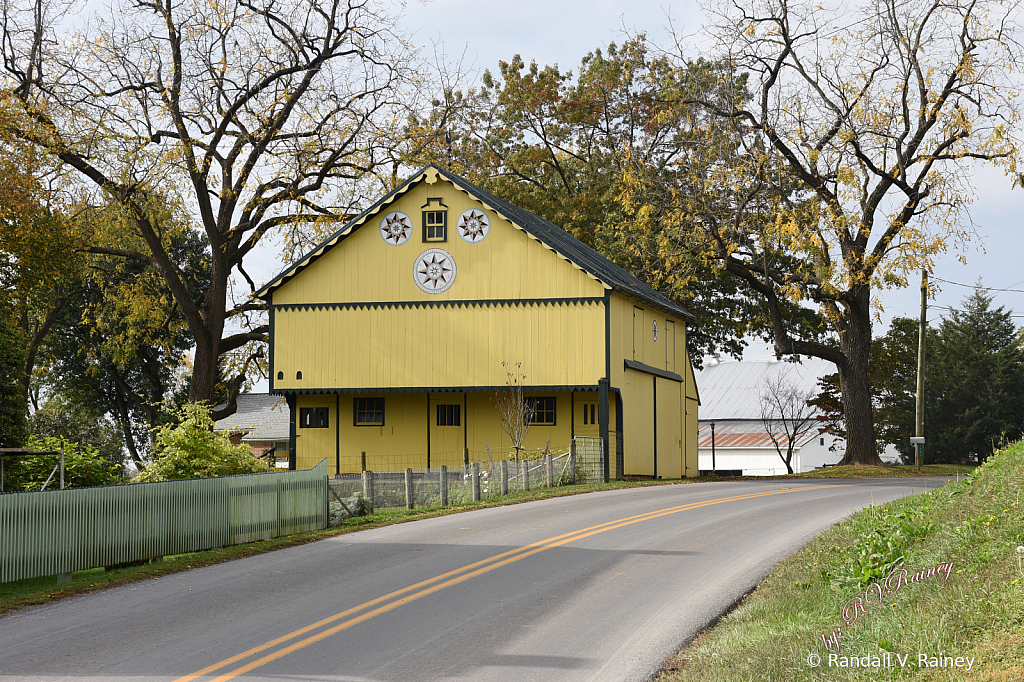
(474, 225)
(654, 330)
(434, 271)
(395, 228)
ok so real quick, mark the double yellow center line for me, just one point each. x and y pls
(388, 602)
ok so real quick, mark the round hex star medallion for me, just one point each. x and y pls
(474, 225)
(434, 271)
(395, 228)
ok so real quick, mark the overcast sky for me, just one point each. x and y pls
(563, 32)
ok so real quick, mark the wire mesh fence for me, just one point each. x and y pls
(351, 494)
(590, 459)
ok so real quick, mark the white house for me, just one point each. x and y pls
(731, 435)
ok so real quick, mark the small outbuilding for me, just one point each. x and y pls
(261, 421)
(389, 340)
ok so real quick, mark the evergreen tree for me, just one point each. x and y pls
(974, 382)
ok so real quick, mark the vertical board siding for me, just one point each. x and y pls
(60, 531)
(558, 344)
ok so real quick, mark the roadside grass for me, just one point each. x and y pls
(21, 593)
(862, 471)
(978, 612)
(887, 471)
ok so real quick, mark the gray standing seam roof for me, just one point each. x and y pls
(563, 243)
(261, 416)
(731, 390)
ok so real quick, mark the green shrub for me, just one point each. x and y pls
(84, 466)
(193, 449)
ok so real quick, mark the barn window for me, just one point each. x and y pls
(369, 412)
(449, 415)
(589, 414)
(313, 417)
(543, 411)
(435, 221)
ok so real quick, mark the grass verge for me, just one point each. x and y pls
(863, 471)
(977, 612)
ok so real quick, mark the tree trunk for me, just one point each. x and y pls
(206, 366)
(204, 373)
(855, 342)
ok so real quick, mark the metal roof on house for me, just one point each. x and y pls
(745, 434)
(261, 416)
(549, 234)
(730, 390)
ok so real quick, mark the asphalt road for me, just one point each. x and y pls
(603, 586)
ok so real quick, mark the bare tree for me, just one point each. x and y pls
(250, 117)
(786, 414)
(876, 113)
(514, 409)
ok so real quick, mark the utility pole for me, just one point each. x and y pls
(919, 441)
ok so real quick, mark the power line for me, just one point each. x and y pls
(975, 286)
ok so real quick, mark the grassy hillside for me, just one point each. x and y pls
(881, 586)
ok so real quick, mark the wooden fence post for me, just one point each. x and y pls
(572, 460)
(476, 481)
(368, 486)
(444, 485)
(408, 489)
(525, 465)
(549, 465)
(504, 477)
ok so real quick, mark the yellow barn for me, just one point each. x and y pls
(388, 341)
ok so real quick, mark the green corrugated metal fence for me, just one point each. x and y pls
(60, 531)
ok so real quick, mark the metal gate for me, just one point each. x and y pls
(589, 459)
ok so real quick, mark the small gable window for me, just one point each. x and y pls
(435, 221)
(369, 412)
(449, 415)
(313, 417)
(543, 411)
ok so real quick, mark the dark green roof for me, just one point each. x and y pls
(549, 234)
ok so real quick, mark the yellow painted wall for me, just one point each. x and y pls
(633, 338)
(438, 347)
(690, 437)
(313, 445)
(504, 265)
(402, 442)
(670, 428)
(690, 434)
(585, 400)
